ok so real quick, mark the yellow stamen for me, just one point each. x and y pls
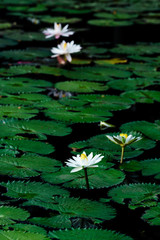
(65, 45)
(83, 156)
(124, 135)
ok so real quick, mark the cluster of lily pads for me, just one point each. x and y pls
(48, 110)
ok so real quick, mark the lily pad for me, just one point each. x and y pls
(28, 165)
(36, 191)
(10, 215)
(90, 234)
(139, 194)
(80, 86)
(152, 215)
(99, 178)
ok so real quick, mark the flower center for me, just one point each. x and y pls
(124, 135)
(65, 45)
(83, 156)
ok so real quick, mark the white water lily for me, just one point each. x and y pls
(123, 139)
(58, 31)
(82, 161)
(104, 125)
(65, 49)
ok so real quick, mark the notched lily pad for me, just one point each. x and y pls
(99, 178)
(80, 86)
(90, 234)
(140, 195)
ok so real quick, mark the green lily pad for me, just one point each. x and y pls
(23, 85)
(36, 191)
(25, 145)
(12, 111)
(143, 96)
(139, 194)
(28, 99)
(10, 215)
(80, 86)
(50, 19)
(20, 35)
(59, 221)
(152, 215)
(99, 178)
(102, 143)
(26, 228)
(26, 54)
(142, 49)
(90, 234)
(101, 102)
(13, 235)
(7, 42)
(109, 22)
(75, 207)
(132, 83)
(151, 130)
(34, 127)
(28, 165)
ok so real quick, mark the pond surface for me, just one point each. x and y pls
(51, 112)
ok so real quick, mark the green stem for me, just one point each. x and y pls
(122, 154)
(86, 178)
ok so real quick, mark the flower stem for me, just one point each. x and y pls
(86, 178)
(122, 154)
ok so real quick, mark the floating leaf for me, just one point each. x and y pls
(109, 22)
(27, 165)
(132, 83)
(80, 86)
(24, 99)
(139, 194)
(15, 235)
(143, 96)
(35, 127)
(23, 85)
(77, 115)
(99, 178)
(7, 42)
(149, 129)
(49, 19)
(141, 49)
(26, 228)
(101, 143)
(20, 35)
(28, 146)
(101, 102)
(75, 207)
(12, 111)
(60, 221)
(110, 61)
(26, 54)
(152, 215)
(90, 234)
(36, 191)
(9, 215)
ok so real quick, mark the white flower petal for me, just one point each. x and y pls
(69, 58)
(76, 169)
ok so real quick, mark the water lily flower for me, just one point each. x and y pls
(65, 48)
(104, 125)
(123, 140)
(83, 161)
(58, 31)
